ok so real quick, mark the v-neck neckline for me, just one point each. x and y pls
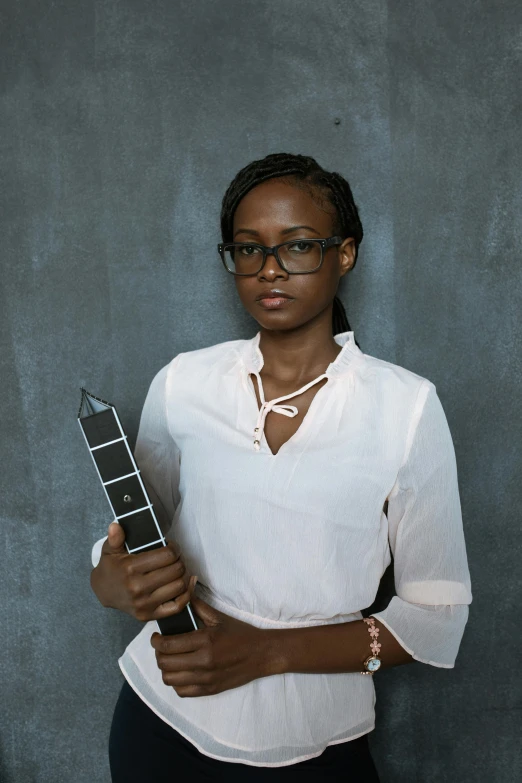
(253, 362)
(305, 422)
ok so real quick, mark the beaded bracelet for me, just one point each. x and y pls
(372, 663)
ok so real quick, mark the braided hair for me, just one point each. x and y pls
(328, 187)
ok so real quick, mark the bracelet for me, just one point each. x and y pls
(372, 663)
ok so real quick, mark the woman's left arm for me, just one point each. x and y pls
(425, 621)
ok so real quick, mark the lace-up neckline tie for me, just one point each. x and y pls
(272, 405)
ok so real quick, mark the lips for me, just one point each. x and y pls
(273, 295)
(274, 302)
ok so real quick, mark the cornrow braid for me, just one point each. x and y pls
(303, 171)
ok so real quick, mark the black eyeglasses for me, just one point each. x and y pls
(297, 257)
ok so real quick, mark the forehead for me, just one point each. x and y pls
(279, 204)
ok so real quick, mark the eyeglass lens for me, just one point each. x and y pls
(299, 256)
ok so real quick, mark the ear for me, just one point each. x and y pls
(346, 255)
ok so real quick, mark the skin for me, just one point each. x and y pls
(297, 346)
(296, 341)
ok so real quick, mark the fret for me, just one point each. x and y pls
(137, 511)
(137, 549)
(120, 478)
(109, 442)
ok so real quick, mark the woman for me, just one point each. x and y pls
(289, 468)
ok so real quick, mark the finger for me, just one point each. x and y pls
(174, 546)
(173, 606)
(185, 665)
(144, 562)
(116, 538)
(175, 644)
(169, 593)
(162, 577)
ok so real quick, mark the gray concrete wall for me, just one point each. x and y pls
(122, 124)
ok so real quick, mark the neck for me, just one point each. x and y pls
(298, 355)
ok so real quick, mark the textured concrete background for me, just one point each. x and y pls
(122, 124)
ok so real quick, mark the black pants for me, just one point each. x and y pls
(145, 749)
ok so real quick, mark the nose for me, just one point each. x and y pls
(271, 264)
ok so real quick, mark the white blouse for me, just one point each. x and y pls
(300, 538)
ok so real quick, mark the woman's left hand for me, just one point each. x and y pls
(225, 654)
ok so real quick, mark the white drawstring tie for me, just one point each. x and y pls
(272, 405)
(266, 407)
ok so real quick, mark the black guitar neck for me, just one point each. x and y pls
(121, 480)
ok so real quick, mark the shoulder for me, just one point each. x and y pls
(213, 353)
(387, 372)
(401, 386)
(189, 366)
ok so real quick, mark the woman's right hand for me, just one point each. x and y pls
(147, 585)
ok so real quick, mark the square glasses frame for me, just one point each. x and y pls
(323, 243)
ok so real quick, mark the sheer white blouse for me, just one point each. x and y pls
(300, 538)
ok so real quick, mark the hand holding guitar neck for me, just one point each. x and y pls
(149, 585)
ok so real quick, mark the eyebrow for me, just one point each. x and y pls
(284, 231)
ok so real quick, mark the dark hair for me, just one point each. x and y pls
(327, 185)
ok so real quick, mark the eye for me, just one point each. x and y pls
(301, 246)
(248, 250)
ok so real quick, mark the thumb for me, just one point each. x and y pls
(116, 538)
(209, 615)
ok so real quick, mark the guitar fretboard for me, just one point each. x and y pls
(122, 483)
(119, 474)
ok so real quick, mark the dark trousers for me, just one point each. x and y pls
(145, 749)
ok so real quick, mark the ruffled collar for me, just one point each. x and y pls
(253, 358)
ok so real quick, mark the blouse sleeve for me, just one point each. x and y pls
(432, 580)
(156, 454)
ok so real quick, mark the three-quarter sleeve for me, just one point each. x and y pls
(156, 454)
(432, 581)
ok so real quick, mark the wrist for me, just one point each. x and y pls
(273, 653)
(97, 588)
